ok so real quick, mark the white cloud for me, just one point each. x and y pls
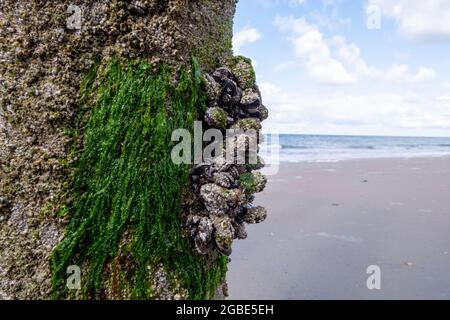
(401, 73)
(310, 45)
(423, 20)
(329, 17)
(336, 61)
(443, 98)
(244, 37)
(424, 74)
(350, 55)
(269, 89)
(349, 113)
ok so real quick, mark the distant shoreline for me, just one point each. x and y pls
(355, 135)
(299, 148)
(367, 159)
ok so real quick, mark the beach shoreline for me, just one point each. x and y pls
(329, 221)
(329, 148)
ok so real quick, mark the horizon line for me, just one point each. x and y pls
(356, 135)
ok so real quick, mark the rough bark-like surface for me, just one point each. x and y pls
(42, 63)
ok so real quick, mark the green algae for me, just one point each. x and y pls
(248, 183)
(220, 117)
(242, 67)
(127, 208)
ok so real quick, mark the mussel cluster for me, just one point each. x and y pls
(224, 188)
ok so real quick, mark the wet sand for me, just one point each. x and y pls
(329, 221)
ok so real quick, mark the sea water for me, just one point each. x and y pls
(328, 148)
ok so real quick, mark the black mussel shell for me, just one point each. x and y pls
(230, 95)
(222, 74)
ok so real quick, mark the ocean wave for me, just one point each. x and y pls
(410, 146)
(362, 147)
(332, 148)
(287, 146)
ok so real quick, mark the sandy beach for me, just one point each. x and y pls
(329, 221)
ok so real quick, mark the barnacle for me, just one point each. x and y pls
(225, 186)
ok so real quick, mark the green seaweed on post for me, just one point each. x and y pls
(127, 212)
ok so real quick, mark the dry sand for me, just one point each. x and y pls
(329, 221)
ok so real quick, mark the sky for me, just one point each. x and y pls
(350, 67)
